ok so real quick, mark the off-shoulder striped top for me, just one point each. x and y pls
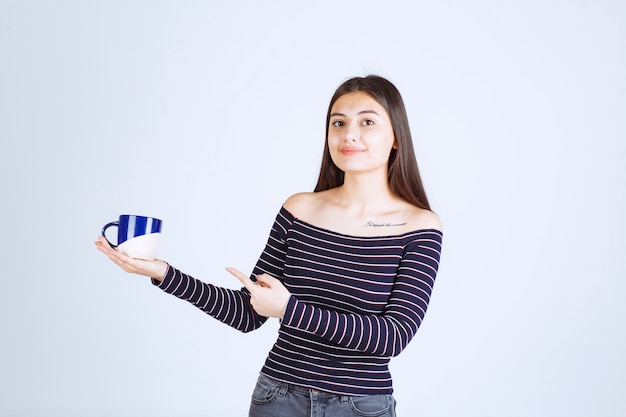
(356, 302)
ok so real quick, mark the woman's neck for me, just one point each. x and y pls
(364, 193)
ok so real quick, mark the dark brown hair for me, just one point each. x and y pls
(404, 177)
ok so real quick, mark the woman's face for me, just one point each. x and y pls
(360, 135)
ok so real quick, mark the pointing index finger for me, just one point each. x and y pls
(243, 278)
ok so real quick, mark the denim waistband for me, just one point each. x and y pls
(284, 387)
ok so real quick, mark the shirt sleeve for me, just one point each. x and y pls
(232, 307)
(389, 333)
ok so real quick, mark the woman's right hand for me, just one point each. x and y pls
(154, 269)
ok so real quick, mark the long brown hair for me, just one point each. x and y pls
(403, 173)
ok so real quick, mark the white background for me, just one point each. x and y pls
(209, 114)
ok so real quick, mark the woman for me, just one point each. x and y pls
(348, 268)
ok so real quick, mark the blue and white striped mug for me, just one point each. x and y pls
(137, 236)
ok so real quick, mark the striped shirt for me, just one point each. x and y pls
(355, 303)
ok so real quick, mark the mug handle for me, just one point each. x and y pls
(106, 226)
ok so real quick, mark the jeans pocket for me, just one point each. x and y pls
(265, 391)
(372, 405)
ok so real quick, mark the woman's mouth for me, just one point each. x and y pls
(351, 151)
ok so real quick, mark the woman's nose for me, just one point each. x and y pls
(351, 134)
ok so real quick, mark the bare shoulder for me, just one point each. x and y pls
(300, 205)
(325, 209)
(424, 219)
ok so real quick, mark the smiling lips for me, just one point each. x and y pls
(351, 151)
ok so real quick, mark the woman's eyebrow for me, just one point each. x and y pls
(361, 112)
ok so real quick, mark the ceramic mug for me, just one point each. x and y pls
(137, 236)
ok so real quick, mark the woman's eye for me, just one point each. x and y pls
(367, 122)
(337, 123)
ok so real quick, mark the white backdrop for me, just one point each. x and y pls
(208, 115)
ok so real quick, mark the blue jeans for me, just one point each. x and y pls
(276, 399)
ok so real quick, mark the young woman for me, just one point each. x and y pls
(348, 268)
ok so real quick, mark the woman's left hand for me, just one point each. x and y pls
(268, 296)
